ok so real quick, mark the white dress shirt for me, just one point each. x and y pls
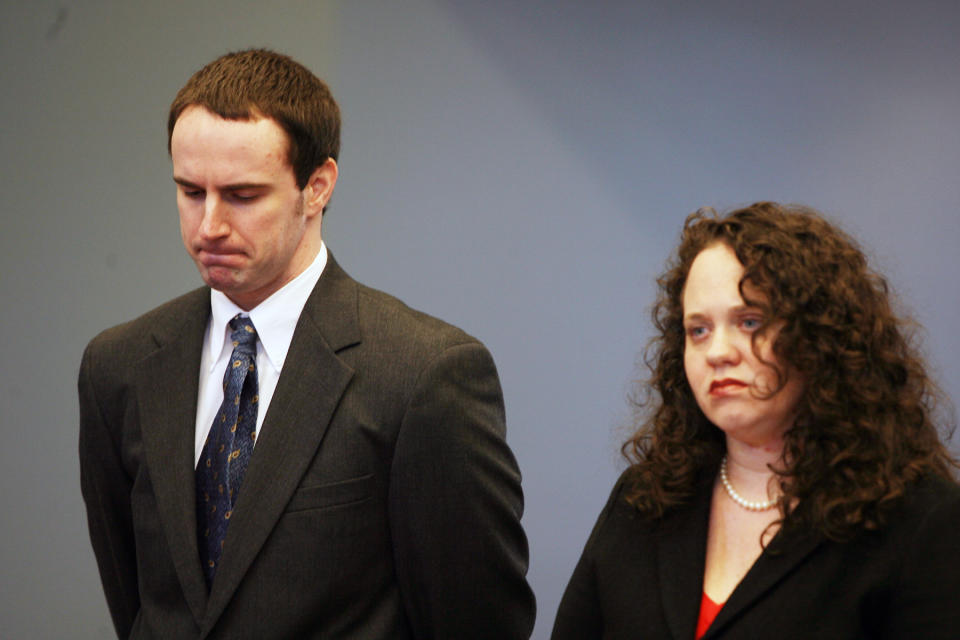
(275, 320)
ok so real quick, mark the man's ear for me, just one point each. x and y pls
(319, 187)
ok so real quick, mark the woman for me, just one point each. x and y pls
(788, 481)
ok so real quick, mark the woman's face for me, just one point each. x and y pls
(731, 384)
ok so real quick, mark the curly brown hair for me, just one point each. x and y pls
(865, 426)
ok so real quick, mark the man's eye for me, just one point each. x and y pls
(192, 193)
(245, 197)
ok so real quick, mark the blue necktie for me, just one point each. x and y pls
(229, 444)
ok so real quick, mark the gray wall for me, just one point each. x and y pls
(520, 169)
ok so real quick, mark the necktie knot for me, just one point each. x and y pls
(243, 335)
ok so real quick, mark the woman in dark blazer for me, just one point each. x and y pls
(787, 479)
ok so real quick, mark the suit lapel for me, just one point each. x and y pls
(782, 555)
(307, 394)
(681, 558)
(166, 389)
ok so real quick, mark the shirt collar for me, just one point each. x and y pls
(274, 319)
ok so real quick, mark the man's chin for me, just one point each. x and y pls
(222, 279)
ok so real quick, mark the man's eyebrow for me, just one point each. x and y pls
(245, 185)
(185, 183)
(230, 187)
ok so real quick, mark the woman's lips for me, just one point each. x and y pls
(726, 386)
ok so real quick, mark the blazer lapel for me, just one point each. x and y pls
(782, 555)
(681, 559)
(166, 391)
(682, 556)
(308, 392)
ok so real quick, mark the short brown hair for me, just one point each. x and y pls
(259, 83)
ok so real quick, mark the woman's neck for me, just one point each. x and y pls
(750, 469)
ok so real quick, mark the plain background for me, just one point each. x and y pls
(520, 169)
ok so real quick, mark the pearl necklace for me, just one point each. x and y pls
(736, 497)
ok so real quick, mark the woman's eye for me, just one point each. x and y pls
(696, 332)
(751, 324)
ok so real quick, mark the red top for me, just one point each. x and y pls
(708, 611)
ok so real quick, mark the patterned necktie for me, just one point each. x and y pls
(229, 444)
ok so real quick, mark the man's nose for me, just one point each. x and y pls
(215, 223)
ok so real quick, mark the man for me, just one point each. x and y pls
(286, 453)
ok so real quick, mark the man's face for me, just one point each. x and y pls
(242, 215)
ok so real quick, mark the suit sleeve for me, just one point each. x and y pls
(106, 491)
(926, 602)
(455, 505)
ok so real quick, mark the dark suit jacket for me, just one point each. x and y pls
(381, 500)
(639, 579)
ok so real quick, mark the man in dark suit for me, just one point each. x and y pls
(355, 481)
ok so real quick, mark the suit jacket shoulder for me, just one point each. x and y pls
(130, 341)
(348, 312)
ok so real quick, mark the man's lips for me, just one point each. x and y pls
(210, 257)
(726, 386)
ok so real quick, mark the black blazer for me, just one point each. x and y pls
(381, 500)
(643, 579)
